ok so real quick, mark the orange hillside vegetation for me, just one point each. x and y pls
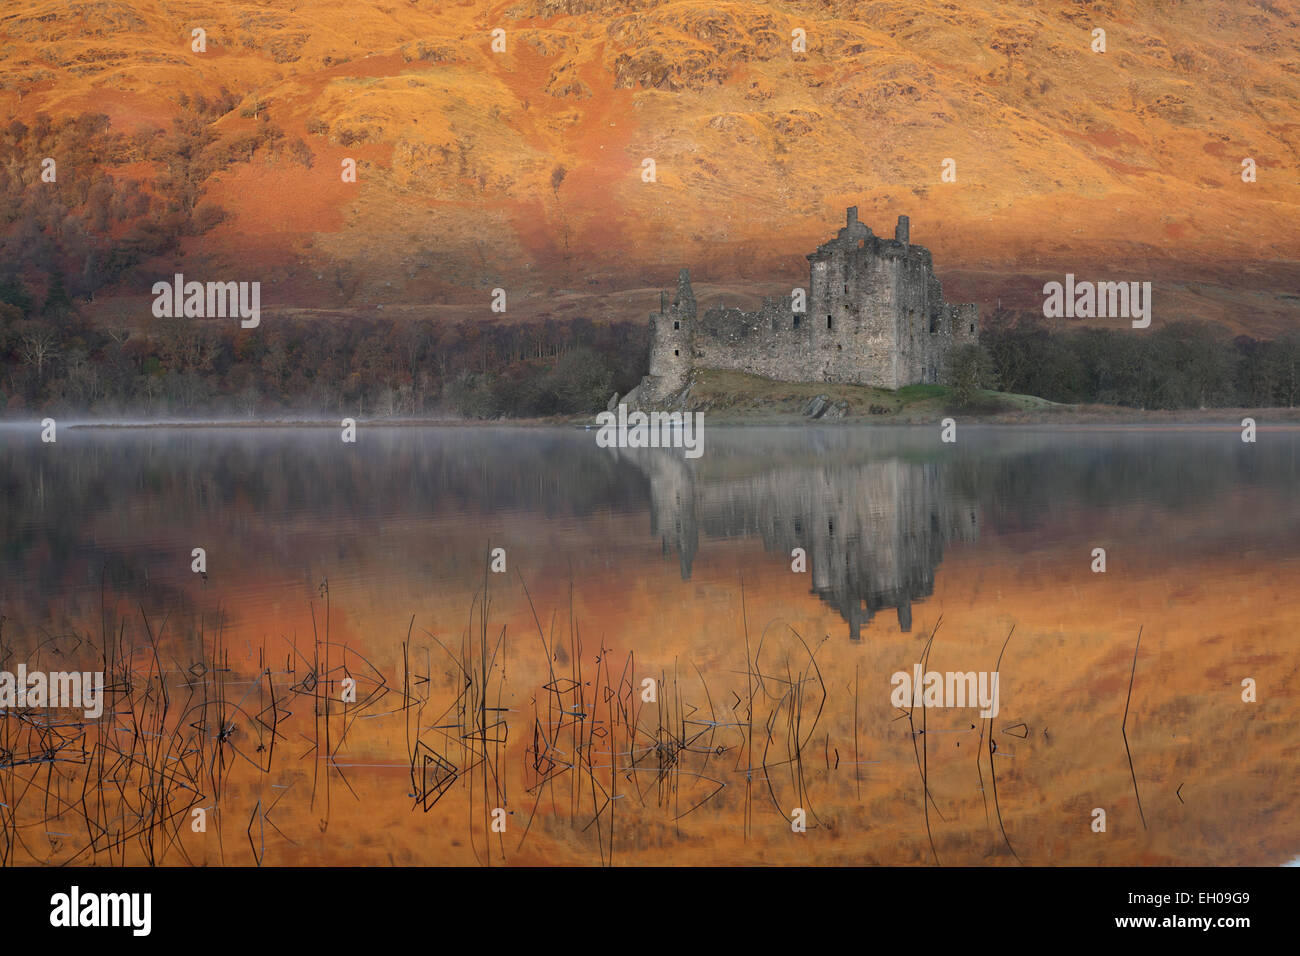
(523, 168)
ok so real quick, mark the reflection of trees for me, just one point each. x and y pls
(52, 494)
(1022, 479)
(874, 509)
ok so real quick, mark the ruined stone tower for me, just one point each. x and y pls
(874, 315)
(670, 341)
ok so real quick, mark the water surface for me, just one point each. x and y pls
(336, 571)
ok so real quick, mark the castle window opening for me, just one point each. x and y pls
(676, 326)
(972, 328)
(829, 324)
(677, 351)
(796, 321)
(934, 324)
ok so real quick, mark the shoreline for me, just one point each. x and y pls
(1265, 419)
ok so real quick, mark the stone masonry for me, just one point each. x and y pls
(874, 315)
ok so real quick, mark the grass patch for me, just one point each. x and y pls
(912, 393)
(728, 396)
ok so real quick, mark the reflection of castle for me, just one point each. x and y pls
(873, 531)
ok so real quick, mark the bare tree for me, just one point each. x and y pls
(151, 385)
(38, 345)
(247, 400)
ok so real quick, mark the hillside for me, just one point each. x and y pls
(523, 169)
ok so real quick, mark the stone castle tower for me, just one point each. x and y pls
(670, 334)
(873, 314)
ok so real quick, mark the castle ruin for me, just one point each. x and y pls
(874, 315)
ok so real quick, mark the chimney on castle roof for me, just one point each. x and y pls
(902, 231)
(853, 215)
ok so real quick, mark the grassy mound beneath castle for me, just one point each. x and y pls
(737, 397)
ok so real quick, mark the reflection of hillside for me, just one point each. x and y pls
(124, 502)
(1202, 533)
(874, 507)
(873, 531)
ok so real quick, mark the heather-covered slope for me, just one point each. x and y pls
(523, 168)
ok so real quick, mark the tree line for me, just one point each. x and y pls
(52, 359)
(1183, 364)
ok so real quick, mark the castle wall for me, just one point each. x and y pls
(766, 343)
(875, 316)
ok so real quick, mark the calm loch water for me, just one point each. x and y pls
(668, 660)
